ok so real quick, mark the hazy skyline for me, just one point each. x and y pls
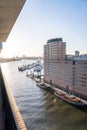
(41, 20)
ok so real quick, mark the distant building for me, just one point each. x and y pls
(65, 72)
(76, 53)
(0, 46)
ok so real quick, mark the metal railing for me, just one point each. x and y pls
(13, 118)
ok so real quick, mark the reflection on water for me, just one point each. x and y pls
(40, 109)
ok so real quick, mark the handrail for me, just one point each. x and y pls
(17, 123)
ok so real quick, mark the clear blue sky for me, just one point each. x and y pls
(41, 20)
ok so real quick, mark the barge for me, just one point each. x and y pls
(69, 98)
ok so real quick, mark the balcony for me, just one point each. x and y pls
(10, 117)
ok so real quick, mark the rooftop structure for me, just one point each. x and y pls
(77, 58)
(54, 40)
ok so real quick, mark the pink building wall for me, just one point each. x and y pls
(63, 73)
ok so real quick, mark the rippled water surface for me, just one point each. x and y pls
(40, 109)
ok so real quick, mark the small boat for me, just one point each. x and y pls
(43, 86)
(21, 68)
(37, 80)
(72, 99)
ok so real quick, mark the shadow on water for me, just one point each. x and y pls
(83, 109)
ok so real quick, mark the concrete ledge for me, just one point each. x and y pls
(15, 110)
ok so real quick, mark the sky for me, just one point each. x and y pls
(41, 20)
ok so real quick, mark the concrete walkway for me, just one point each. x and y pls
(2, 122)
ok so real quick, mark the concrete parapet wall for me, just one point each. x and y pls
(13, 118)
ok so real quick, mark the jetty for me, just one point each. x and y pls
(37, 66)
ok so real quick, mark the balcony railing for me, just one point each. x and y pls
(13, 118)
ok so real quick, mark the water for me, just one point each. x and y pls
(40, 109)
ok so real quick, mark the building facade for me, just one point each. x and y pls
(54, 57)
(70, 75)
(75, 77)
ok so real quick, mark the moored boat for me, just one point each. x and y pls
(72, 99)
(43, 86)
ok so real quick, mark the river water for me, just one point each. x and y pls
(40, 109)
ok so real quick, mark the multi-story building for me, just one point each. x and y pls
(54, 57)
(75, 77)
(55, 50)
(68, 74)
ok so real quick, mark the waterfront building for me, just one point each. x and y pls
(75, 77)
(68, 72)
(54, 57)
